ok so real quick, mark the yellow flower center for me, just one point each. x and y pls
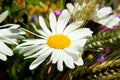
(58, 41)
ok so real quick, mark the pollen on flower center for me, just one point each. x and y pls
(58, 41)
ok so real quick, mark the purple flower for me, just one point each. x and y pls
(57, 12)
(34, 18)
(101, 6)
(107, 50)
(115, 27)
(105, 29)
(118, 15)
(101, 58)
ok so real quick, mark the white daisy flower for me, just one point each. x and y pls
(63, 42)
(8, 35)
(102, 16)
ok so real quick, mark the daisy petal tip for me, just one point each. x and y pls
(66, 11)
(40, 17)
(82, 63)
(60, 70)
(31, 67)
(11, 54)
(79, 62)
(3, 16)
(17, 47)
(6, 12)
(3, 58)
(16, 26)
(72, 67)
(16, 43)
(68, 5)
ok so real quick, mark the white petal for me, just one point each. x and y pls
(115, 21)
(83, 5)
(43, 25)
(5, 49)
(72, 50)
(53, 22)
(55, 56)
(27, 48)
(9, 41)
(11, 26)
(14, 26)
(14, 30)
(73, 53)
(68, 60)
(3, 16)
(70, 7)
(104, 21)
(110, 21)
(5, 32)
(80, 33)
(80, 42)
(33, 50)
(3, 57)
(32, 41)
(77, 48)
(60, 64)
(11, 32)
(40, 59)
(42, 33)
(6, 25)
(43, 50)
(14, 37)
(77, 6)
(72, 27)
(104, 12)
(62, 21)
(79, 62)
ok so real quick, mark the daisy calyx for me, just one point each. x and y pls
(63, 42)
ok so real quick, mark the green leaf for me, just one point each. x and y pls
(12, 9)
(33, 2)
